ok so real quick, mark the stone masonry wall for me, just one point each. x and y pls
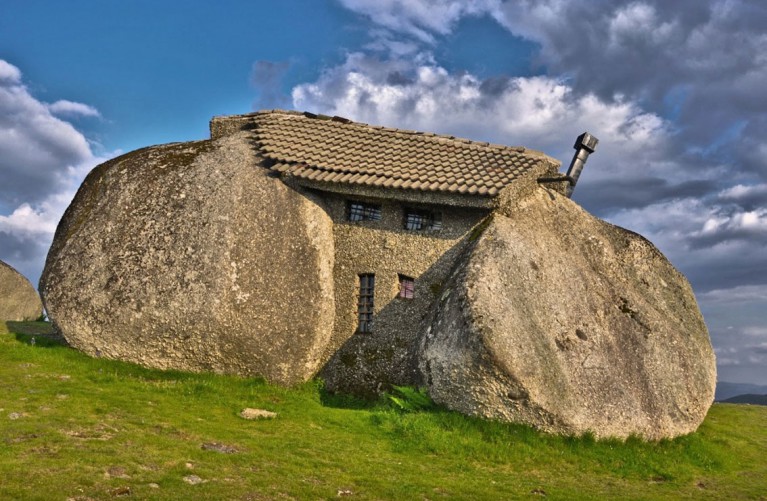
(364, 363)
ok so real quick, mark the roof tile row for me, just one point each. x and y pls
(340, 151)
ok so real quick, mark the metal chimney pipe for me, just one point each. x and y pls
(585, 145)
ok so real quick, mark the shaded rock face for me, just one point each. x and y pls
(189, 256)
(18, 298)
(562, 321)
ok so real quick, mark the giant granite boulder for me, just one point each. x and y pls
(18, 298)
(565, 322)
(189, 256)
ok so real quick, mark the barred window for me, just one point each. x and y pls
(406, 287)
(419, 220)
(365, 302)
(358, 211)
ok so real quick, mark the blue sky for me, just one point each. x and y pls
(674, 91)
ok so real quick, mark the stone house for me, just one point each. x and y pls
(291, 245)
(404, 206)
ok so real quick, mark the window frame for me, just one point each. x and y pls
(426, 219)
(357, 212)
(406, 287)
(365, 302)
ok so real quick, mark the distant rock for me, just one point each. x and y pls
(18, 298)
(565, 322)
(189, 256)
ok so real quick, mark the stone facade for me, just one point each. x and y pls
(366, 362)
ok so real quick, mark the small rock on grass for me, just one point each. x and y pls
(218, 447)
(120, 491)
(116, 472)
(193, 480)
(257, 414)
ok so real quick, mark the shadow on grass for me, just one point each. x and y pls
(40, 334)
(346, 401)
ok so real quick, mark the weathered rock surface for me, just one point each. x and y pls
(565, 322)
(18, 298)
(189, 256)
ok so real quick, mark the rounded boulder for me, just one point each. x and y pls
(19, 300)
(189, 256)
(562, 321)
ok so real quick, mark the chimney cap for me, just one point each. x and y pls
(586, 141)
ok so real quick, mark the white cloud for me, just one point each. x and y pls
(752, 196)
(637, 21)
(70, 108)
(26, 222)
(540, 112)
(36, 147)
(744, 224)
(738, 296)
(43, 160)
(9, 73)
(421, 19)
(740, 191)
(757, 331)
(675, 57)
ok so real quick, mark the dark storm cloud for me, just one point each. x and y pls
(399, 78)
(604, 197)
(26, 255)
(741, 268)
(749, 198)
(700, 62)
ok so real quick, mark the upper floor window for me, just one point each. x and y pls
(406, 287)
(359, 211)
(417, 220)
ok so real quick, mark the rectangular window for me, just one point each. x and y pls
(365, 302)
(358, 211)
(406, 287)
(419, 220)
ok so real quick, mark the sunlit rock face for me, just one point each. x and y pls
(18, 298)
(565, 322)
(189, 256)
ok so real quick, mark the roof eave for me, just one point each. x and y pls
(401, 195)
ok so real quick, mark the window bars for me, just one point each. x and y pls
(365, 302)
(419, 220)
(358, 211)
(406, 287)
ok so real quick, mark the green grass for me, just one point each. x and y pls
(82, 428)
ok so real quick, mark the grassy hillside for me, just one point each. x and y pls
(73, 427)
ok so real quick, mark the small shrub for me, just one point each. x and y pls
(407, 399)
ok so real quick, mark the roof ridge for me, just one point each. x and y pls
(449, 137)
(346, 121)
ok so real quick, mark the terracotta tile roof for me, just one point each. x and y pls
(336, 150)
